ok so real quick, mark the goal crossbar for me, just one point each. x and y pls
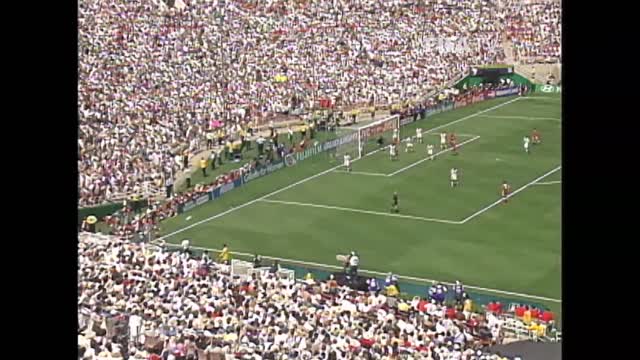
(375, 128)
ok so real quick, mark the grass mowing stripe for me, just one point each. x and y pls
(412, 278)
(436, 154)
(508, 196)
(360, 211)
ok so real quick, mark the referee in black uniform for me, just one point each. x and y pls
(394, 203)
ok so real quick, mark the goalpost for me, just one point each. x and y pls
(364, 139)
(368, 135)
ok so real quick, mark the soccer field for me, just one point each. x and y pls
(314, 210)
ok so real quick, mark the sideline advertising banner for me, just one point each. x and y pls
(548, 89)
(262, 171)
(507, 92)
(195, 202)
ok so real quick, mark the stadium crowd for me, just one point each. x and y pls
(156, 82)
(135, 303)
(534, 31)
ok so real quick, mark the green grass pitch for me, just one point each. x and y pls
(441, 232)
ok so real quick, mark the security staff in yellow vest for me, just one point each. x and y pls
(203, 166)
(224, 255)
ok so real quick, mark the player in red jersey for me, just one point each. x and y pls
(505, 190)
(535, 136)
(452, 143)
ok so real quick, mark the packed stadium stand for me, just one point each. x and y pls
(140, 301)
(159, 82)
(155, 81)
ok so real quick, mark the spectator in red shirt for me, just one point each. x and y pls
(535, 312)
(520, 311)
(450, 313)
(366, 343)
(546, 316)
(491, 306)
(422, 305)
(497, 308)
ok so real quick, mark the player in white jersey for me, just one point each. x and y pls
(419, 135)
(430, 151)
(443, 141)
(393, 153)
(525, 142)
(396, 136)
(347, 162)
(454, 177)
(409, 147)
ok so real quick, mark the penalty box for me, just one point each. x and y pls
(377, 163)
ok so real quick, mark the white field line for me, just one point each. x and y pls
(258, 199)
(548, 98)
(322, 173)
(247, 203)
(437, 135)
(361, 211)
(465, 220)
(426, 159)
(548, 182)
(521, 117)
(261, 198)
(412, 278)
(472, 115)
(360, 173)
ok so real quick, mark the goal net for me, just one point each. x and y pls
(363, 140)
(378, 134)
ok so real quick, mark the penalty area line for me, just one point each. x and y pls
(490, 206)
(369, 212)
(360, 173)
(216, 216)
(372, 272)
(548, 182)
(435, 155)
